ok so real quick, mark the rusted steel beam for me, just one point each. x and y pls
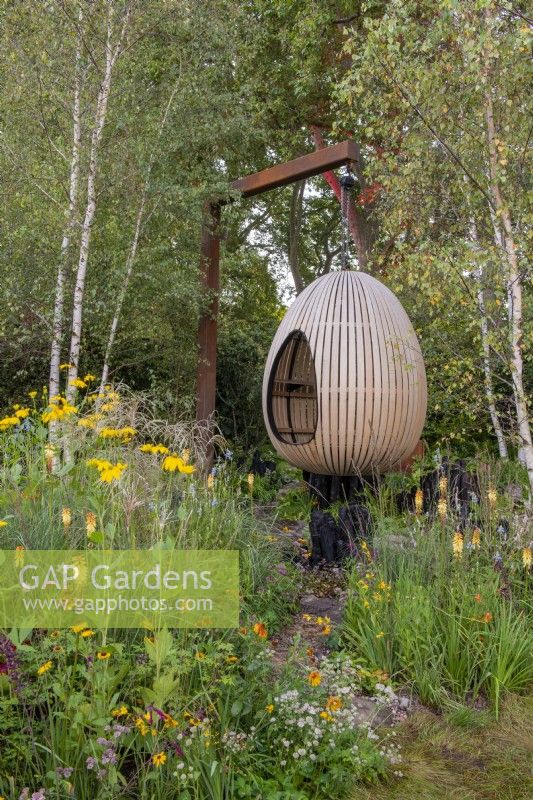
(297, 169)
(257, 183)
(207, 328)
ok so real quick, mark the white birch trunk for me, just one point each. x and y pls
(57, 328)
(487, 369)
(514, 284)
(112, 52)
(123, 291)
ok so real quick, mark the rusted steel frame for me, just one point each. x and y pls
(280, 175)
(297, 169)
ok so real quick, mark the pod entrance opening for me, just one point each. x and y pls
(292, 394)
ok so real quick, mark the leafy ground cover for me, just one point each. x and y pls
(205, 714)
(299, 702)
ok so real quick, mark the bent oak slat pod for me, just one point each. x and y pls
(344, 390)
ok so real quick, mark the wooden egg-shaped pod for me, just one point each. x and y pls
(344, 390)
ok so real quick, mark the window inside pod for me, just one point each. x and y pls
(292, 394)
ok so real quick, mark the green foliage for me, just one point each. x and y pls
(433, 612)
(295, 504)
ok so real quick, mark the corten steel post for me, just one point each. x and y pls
(280, 175)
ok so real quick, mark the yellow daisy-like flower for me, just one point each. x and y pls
(187, 469)
(65, 366)
(458, 544)
(120, 712)
(333, 703)
(87, 633)
(314, 678)
(66, 517)
(199, 655)
(174, 463)
(58, 409)
(141, 726)
(87, 423)
(3, 523)
(527, 558)
(90, 421)
(232, 659)
(45, 667)
(78, 383)
(125, 434)
(158, 759)
(108, 472)
(78, 628)
(102, 655)
(260, 630)
(32, 394)
(156, 449)
(8, 422)
(269, 708)
(89, 378)
(327, 716)
(22, 413)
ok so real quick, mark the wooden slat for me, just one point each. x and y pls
(370, 379)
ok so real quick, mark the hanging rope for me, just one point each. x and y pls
(347, 183)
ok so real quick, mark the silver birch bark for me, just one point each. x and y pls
(487, 368)
(57, 326)
(112, 51)
(123, 291)
(513, 279)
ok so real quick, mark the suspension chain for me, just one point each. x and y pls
(347, 183)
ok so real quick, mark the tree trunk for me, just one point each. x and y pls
(487, 369)
(57, 329)
(112, 52)
(133, 249)
(123, 291)
(295, 225)
(514, 284)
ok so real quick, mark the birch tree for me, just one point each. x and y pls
(113, 47)
(70, 226)
(509, 257)
(435, 94)
(485, 344)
